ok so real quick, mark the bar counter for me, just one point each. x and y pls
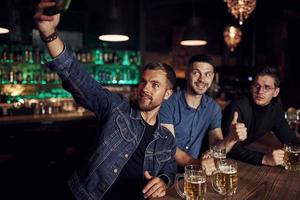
(68, 116)
(39, 152)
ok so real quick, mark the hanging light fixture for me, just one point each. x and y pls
(232, 37)
(3, 30)
(4, 26)
(194, 34)
(241, 9)
(4, 23)
(114, 29)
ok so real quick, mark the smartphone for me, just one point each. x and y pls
(60, 6)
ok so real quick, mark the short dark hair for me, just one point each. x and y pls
(171, 76)
(200, 58)
(267, 70)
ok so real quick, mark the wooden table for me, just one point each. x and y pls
(256, 182)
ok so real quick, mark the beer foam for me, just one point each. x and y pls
(196, 179)
(219, 155)
(227, 169)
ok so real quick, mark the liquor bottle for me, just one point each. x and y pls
(115, 58)
(4, 56)
(88, 57)
(11, 76)
(105, 57)
(83, 57)
(110, 57)
(37, 56)
(30, 56)
(26, 56)
(98, 57)
(19, 76)
(125, 61)
(18, 55)
(131, 58)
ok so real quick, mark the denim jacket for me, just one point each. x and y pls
(121, 132)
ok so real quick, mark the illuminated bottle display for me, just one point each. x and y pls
(24, 65)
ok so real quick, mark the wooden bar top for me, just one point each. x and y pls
(255, 182)
(67, 116)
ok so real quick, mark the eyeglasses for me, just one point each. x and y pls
(264, 88)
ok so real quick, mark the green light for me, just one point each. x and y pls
(98, 57)
(125, 59)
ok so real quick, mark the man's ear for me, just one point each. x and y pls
(168, 93)
(277, 90)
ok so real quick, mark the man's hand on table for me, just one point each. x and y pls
(274, 158)
(208, 163)
(156, 187)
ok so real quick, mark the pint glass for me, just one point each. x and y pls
(225, 179)
(194, 183)
(218, 153)
(291, 159)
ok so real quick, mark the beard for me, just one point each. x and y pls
(146, 102)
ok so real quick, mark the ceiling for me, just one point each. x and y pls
(151, 23)
(270, 34)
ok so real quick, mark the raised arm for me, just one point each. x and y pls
(237, 131)
(47, 27)
(86, 91)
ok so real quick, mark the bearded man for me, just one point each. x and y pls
(133, 156)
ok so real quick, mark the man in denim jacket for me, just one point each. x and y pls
(134, 155)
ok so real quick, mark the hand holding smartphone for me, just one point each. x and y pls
(60, 6)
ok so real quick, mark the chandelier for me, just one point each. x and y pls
(241, 9)
(232, 37)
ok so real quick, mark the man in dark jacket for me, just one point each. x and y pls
(260, 113)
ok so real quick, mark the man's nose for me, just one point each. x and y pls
(146, 87)
(260, 90)
(200, 77)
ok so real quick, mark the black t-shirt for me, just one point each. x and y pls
(259, 120)
(130, 182)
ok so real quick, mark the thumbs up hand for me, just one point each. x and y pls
(238, 131)
(235, 117)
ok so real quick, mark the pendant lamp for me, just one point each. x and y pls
(114, 30)
(3, 30)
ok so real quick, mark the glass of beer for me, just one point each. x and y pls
(218, 153)
(225, 178)
(194, 183)
(293, 118)
(291, 159)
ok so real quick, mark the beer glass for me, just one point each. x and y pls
(225, 178)
(293, 118)
(194, 183)
(291, 159)
(218, 153)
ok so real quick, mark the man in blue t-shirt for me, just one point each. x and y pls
(190, 114)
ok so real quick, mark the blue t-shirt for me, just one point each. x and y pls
(190, 124)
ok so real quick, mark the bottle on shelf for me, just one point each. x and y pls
(24, 65)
